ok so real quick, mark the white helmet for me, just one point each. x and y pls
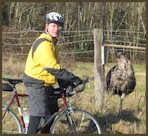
(54, 17)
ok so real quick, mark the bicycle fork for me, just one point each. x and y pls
(71, 123)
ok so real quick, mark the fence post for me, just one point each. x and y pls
(98, 67)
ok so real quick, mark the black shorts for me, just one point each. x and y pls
(41, 101)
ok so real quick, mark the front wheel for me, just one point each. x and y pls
(10, 122)
(75, 122)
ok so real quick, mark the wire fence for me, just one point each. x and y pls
(76, 44)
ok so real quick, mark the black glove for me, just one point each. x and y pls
(77, 81)
(63, 83)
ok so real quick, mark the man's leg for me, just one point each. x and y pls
(33, 125)
(53, 107)
(38, 105)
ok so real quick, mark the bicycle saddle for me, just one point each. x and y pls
(13, 81)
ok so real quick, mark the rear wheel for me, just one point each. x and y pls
(10, 122)
(75, 122)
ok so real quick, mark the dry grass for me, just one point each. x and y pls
(13, 69)
(133, 117)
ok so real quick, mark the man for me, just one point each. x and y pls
(42, 70)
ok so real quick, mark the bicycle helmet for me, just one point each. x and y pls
(54, 17)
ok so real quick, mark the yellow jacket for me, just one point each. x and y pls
(43, 54)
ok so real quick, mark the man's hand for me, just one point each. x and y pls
(77, 81)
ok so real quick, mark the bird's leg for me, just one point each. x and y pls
(110, 95)
(120, 109)
(121, 101)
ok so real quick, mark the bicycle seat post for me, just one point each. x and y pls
(14, 88)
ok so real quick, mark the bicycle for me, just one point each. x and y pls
(66, 121)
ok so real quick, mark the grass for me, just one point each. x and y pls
(133, 117)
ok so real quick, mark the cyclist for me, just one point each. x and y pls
(42, 70)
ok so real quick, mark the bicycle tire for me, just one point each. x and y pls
(10, 123)
(87, 125)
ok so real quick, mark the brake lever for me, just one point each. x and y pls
(71, 90)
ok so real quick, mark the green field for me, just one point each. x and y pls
(133, 117)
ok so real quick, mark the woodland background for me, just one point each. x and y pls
(78, 15)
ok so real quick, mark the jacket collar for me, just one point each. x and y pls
(50, 38)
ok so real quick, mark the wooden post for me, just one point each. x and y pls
(98, 67)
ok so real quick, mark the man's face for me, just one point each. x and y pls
(53, 29)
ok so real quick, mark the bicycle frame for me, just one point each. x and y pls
(16, 97)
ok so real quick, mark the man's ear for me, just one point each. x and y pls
(46, 25)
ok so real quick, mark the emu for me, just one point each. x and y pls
(120, 79)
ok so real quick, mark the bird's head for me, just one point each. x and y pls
(119, 53)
